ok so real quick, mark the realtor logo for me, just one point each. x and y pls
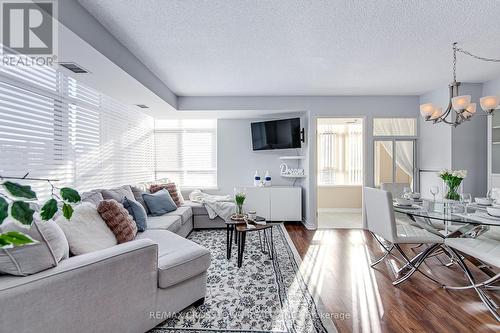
(28, 27)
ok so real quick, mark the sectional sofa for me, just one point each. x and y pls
(130, 287)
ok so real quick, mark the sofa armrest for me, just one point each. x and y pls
(90, 292)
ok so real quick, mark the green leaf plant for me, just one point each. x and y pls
(15, 202)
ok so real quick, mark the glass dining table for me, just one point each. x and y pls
(447, 222)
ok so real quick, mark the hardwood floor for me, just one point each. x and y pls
(362, 299)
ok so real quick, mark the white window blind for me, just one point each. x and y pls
(340, 154)
(54, 127)
(186, 151)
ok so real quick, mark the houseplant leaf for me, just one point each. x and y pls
(70, 195)
(48, 209)
(67, 211)
(22, 212)
(17, 238)
(4, 209)
(20, 191)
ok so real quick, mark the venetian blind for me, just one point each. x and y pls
(186, 151)
(54, 127)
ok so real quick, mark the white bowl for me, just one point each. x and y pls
(415, 196)
(404, 202)
(494, 211)
(483, 201)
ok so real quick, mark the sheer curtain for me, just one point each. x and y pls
(397, 127)
(340, 154)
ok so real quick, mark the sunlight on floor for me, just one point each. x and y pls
(366, 301)
(339, 220)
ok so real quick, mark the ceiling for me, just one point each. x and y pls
(294, 47)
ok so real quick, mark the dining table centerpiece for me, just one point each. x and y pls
(452, 179)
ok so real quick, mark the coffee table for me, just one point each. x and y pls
(241, 235)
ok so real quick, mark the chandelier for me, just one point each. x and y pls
(461, 105)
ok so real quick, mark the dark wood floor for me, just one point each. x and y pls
(336, 263)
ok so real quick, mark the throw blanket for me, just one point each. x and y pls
(216, 205)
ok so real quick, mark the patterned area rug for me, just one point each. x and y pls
(262, 296)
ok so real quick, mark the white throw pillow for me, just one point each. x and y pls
(51, 248)
(86, 231)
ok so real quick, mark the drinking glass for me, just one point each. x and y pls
(406, 193)
(466, 199)
(434, 191)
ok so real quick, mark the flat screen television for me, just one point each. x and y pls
(276, 134)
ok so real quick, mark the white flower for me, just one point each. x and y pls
(454, 173)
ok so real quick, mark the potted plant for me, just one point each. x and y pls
(452, 180)
(15, 202)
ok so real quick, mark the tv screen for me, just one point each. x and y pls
(276, 134)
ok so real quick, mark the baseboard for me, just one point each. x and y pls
(339, 210)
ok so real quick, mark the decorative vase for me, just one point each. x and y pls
(452, 180)
(239, 199)
(451, 190)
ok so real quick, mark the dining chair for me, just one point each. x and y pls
(485, 248)
(382, 223)
(396, 189)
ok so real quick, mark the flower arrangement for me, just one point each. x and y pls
(239, 198)
(452, 179)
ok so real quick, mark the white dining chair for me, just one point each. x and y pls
(382, 223)
(396, 189)
(485, 248)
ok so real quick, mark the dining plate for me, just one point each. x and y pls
(406, 206)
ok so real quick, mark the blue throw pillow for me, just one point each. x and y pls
(138, 213)
(159, 203)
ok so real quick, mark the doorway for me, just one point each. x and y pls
(340, 147)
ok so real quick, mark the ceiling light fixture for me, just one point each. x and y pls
(460, 104)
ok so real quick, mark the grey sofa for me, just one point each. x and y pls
(130, 287)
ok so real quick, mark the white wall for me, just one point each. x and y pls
(365, 107)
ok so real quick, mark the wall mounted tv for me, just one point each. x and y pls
(276, 134)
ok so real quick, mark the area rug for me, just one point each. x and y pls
(263, 295)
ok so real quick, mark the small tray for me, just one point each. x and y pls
(237, 217)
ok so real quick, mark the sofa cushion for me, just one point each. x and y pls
(93, 197)
(86, 231)
(138, 197)
(118, 193)
(137, 212)
(179, 259)
(51, 248)
(185, 212)
(165, 222)
(197, 208)
(171, 188)
(159, 203)
(118, 220)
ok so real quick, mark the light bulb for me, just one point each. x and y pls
(426, 110)
(471, 109)
(459, 103)
(489, 103)
(438, 112)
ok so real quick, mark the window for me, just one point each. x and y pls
(54, 127)
(394, 127)
(186, 151)
(340, 152)
(394, 150)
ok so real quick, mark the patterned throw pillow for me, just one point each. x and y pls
(118, 220)
(171, 188)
